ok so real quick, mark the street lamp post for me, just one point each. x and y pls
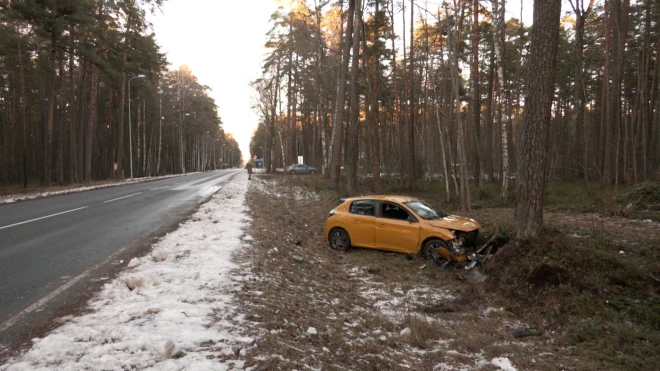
(130, 127)
(215, 166)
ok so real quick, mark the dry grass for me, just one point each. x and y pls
(360, 301)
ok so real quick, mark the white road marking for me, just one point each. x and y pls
(43, 217)
(153, 189)
(53, 294)
(119, 198)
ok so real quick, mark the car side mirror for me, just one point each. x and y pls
(412, 219)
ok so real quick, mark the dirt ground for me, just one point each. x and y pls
(316, 308)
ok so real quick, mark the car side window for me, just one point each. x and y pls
(393, 211)
(363, 207)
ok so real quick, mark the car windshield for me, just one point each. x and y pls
(425, 211)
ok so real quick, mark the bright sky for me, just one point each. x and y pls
(221, 42)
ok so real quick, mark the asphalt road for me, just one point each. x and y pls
(48, 245)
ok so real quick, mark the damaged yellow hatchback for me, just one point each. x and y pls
(401, 224)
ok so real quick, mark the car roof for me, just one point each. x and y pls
(391, 198)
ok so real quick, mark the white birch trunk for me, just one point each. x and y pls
(499, 57)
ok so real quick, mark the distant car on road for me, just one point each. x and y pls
(301, 169)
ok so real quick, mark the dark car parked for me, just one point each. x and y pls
(300, 169)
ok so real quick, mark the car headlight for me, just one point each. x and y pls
(332, 212)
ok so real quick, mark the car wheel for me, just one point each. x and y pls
(292, 172)
(312, 172)
(339, 239)
(429, 250)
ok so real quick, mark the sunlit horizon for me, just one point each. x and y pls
(223, 45)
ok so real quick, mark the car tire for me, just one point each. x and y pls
(312, 172)
(428, 250)
(292, 172)
(339, 239)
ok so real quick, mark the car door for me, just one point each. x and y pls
(360, 222)
(395, 229)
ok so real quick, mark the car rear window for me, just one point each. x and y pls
(363, 207)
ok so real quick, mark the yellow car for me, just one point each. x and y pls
(398, 223)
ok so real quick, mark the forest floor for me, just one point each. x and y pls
(589, 289)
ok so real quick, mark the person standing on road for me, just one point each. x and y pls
(249, 169)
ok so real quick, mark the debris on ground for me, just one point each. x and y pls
(526, 331)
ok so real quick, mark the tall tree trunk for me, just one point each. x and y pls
(353, 121)
(289, 157)
(651, 155)
(460, 136)
(48, 162)
(82, 117)
(534, 131)
(59, 168)
(120, 112)
(338, 116)
(374, 109)
(122, 98)
(270, 141)
(579, 97)
(22, 106)
(91, 122)
(475, 104)
(488, 135)
(73, 169)
(160, 129)
(413, 104)
(441, 138)
(499, 56)
(398, 107)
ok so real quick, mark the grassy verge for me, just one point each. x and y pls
(370, 309)
(599, 293)
(596, 308)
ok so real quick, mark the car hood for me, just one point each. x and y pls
(460, 223)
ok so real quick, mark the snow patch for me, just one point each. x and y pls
(503, 363)
(175, 308)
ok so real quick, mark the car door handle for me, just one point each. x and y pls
(381, 226)
(355, 222)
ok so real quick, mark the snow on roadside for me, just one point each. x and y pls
(32, 196)
(180, 313)
(503, 363)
